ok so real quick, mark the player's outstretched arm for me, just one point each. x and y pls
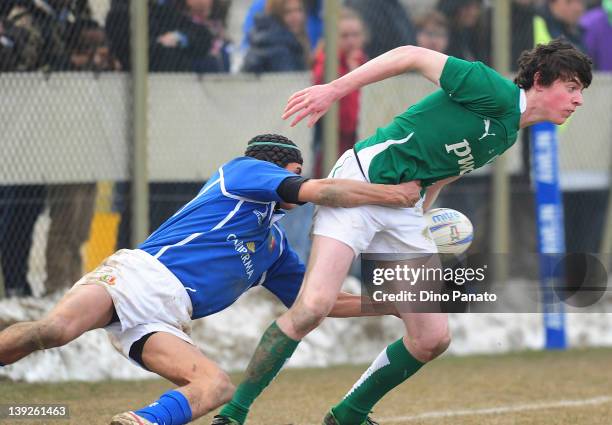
(350, 305)
(351, 193)
(314, 101)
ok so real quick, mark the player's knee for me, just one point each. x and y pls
(307, 314)
(225, 388)
(217, 387)
(303, 321)
(318, 306)
(51, 332)
(428, 347)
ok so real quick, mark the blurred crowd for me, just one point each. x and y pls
(277, 36)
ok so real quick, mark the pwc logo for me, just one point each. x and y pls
(464, 152)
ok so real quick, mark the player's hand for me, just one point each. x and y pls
(312, 102)
(410, 193)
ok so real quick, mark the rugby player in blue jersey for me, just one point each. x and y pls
(200, 261)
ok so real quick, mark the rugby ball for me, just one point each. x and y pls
(451, 231)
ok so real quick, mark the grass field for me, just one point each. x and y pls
(544, 388)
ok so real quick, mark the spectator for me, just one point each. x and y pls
(117, 27)
(88, 48)
(352, 38)
(192, 38)
(217, 23)
(71, 210)
(184, 35)
(469, 38)
(432, 31)
(32, 37)
(560, 18)
(188, 37)
(161, 14)
(388, 23)
(278, 40)
(13, 47)
(597, 26)
(47, 23)
(71, 206)
(314, 23)
(20, 206)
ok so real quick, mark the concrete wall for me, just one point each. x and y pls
(74, 127)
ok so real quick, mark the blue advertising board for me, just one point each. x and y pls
(551, 234)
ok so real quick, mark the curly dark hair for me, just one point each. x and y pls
(557, 59)
(268, 147)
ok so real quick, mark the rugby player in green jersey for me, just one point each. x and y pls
(472, 119)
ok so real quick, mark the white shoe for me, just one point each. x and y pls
(129, 418)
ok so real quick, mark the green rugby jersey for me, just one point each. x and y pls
(466, 124)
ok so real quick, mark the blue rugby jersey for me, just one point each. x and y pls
(225, 240)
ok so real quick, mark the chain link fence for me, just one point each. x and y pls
(65, 112)
(65, 175)
(64, 139)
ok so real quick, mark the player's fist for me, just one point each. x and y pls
(410, 192)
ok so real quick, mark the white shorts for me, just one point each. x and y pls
(147, 298)
(372, 229)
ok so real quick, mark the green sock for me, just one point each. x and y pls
(273, 351)
(392, 367)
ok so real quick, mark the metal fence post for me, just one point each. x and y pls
(500, 198)
(330, 120)
(140, 59)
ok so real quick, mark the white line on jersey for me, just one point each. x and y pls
(202, 192)
(183, 242)
(229, 195)
(229, 216)
(282, 235)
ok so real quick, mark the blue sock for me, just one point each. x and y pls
(172, 408)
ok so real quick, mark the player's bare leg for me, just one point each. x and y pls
(83, 308)
(427, 336)
(327, 267)
(203, 386)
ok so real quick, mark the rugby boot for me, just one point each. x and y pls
(330, 419)
(224, 420)
(129, 418)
